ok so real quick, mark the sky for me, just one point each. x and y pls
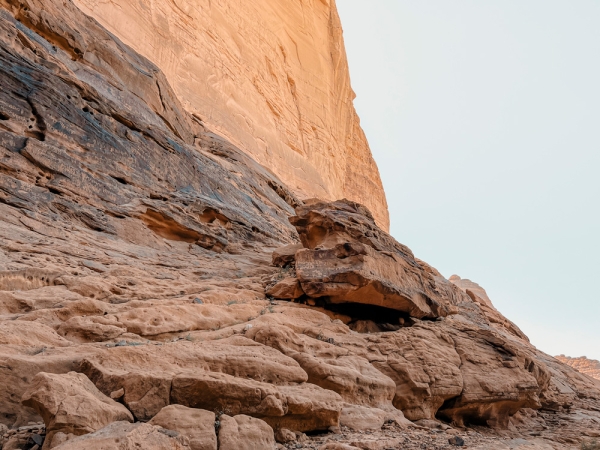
(484, 120)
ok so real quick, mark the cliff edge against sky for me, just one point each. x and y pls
(272, 77)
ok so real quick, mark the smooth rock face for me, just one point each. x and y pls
(245, 433)
(197, 425)
(70, 404)
(270, 76)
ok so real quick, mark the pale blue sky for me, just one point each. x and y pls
(484, 119)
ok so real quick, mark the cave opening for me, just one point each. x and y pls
(369, 318)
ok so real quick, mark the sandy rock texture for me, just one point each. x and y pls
(197, 425)
(139, 254)
(584, 365)
(71, 405)
(270, 76)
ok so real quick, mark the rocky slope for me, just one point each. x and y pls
(582, 364)
(159, 289)
(271, 76)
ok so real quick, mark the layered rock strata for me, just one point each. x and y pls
(582, 364)
(136, 248)
(270, 76)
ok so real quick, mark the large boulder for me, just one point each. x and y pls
(348, 259)
(70, 404)
(197, 425)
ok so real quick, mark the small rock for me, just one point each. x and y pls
(456, 440)
(284, 436)
(117, 394)
(37, 439)
(198, 301)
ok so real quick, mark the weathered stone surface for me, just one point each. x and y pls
(235, 372)
(331, 367)
(245, 433)
(72, 405)
(425, 367)
(361, 418)
(136, 246)
(197, 425)
(127, 436)
(348, 259)
(283, 94)
(309, 408)
(288, 288)
(286, 255)
(582, 364)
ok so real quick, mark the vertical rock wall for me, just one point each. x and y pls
(270, 75)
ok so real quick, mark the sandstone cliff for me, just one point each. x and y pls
(590, 367)
(160, 289)
(271, 76)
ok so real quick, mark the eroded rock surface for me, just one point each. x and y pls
(142, 251)
(272, 77)
(197, 425)
(584, 365)
(71, 405)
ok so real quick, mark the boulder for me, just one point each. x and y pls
(221, 392)
(127, 436)
(243, 432)
(285, 256)
(348, 259)
(72, 405)
(286, 289)
(360, 418)
(309, 408)
(197, 425)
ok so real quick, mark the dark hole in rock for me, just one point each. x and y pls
(55, 191)
(468, 417)
(4, 116)
(119, 179)
(370, 318)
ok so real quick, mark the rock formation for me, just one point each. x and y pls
(179, 290)
(582, 364)
(270, 76)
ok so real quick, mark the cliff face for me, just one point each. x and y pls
(590, 367)
(151, 272)
(271, 76)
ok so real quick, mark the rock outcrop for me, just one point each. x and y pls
(272, 77)
(71, 405)
(582, 364)
(145, 253)
(197, 425)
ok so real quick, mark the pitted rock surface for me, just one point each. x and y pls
(142, 251)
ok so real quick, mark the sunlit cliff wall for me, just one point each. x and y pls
(270, 75)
